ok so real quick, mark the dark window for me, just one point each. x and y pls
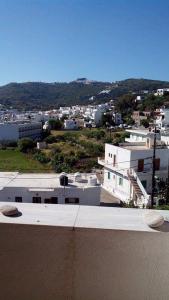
(71, 200)
(140, 165)
(114, 160)
(52, 200)
(18, 199)
(36, 200)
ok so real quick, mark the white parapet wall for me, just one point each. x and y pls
(87, 253)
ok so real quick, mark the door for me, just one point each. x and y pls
(140, 165)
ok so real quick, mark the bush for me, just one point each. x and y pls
(70, 160)
(41, 157)
(50, 139)
(55, 149)
(92, 148)
(25, 145)
(97, 134)
(81, 154)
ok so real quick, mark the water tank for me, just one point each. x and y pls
(63, 180)
(77, 176)
(92, 181)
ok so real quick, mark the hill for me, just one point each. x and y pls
(40, 95)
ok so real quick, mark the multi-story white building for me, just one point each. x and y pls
(13, 131)
(46, 188)
(128, 168)
(162, 118)
(94, 115)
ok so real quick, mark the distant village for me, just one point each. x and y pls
(125, 172)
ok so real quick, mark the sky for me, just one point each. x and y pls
(61, 40)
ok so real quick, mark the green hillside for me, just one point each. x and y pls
(40, 95)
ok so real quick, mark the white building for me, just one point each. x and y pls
(161, 92)
(162, 119)
(46, 188)
(94, 115)
(140, 98)
(70, 124)
(13, 131)
(128, 168)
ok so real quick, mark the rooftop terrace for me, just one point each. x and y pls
(88, 253)
(40, 180)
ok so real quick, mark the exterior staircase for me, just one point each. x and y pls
(137, 191)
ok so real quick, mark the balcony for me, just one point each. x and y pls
(101, 161)
(73, 252)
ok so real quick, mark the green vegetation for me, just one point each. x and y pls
(39, 95)
(25, 145)
(79, 150)
(14, 160)
(55, 124)
(66, 152)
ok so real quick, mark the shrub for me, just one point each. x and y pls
(25, 145)
(81, 154)
(41, 157)
(50, 139)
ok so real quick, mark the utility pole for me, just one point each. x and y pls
(167, 189)
(154, 168)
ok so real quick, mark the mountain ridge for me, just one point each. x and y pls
(44, 95)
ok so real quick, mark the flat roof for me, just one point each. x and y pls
(138, 131)
(41, 181)
(135, 147)
(80, 217)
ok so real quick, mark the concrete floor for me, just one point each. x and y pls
(107, 198)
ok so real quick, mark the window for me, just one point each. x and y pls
(140, 165)
(36, 200)
(120, 181)
(18, 199)
(52, 200)
(108, 175)
(111, 155)
(71, 200)
(114, 160)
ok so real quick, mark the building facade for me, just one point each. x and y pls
(46, 188)
(15, 131)
(128, 169)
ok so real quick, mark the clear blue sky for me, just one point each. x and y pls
(60, 40)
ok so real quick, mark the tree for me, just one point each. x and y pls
(55, 124)
(25, 145)
(126, 103)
